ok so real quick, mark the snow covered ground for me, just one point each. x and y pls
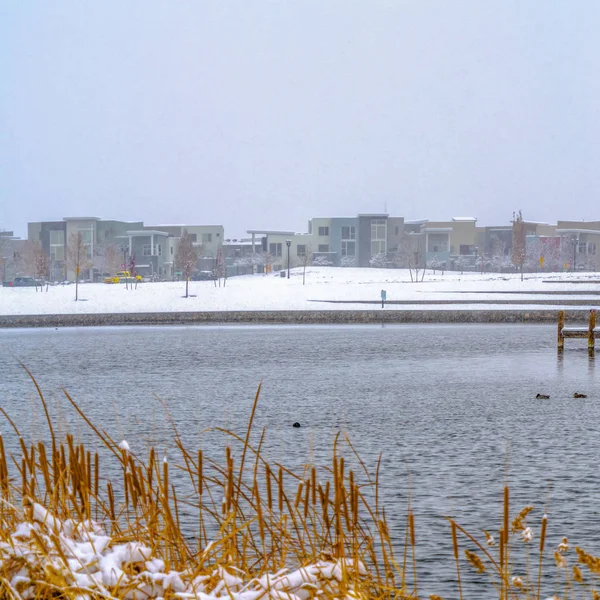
(323, 285)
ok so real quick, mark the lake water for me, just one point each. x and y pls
(449, 406)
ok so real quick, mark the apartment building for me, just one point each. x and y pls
(98, 234)
(207, 238)
(273, 246)
(11, 254)
(357, 241)
(154, 248)
(583, 239)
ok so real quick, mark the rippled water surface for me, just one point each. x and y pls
(449, 407)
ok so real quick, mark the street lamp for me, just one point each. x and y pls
(124, 248)
(288, 243)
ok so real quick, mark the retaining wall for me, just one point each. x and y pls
(292, 317)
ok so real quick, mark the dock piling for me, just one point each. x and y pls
(561, 325)
(591, 332)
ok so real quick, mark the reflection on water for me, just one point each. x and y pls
(447, 405)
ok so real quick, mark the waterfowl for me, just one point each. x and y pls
(578, 395)
(296, 424)
(543, 397)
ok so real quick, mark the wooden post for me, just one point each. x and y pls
(591, 333)
(561, 324)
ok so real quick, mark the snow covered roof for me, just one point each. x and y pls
(468, 219)
(145, 232)
(576, 230)
(438, 229)
(188, 225)
(268, 232)
(82, 219)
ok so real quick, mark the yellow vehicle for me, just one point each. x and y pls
(122, 277)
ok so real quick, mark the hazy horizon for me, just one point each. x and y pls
(264, 114)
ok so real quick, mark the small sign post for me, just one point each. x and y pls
(541, 263)
(383, 298)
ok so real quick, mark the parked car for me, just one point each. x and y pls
(122, 277)
(23, 282)
(203, 276)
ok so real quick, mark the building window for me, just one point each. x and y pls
(348, 248)
(437, 242)
(466, 250)
(323, 247)
(57, 245)
(147, 250)
(396, 230)
(582, 248)
(275, 249)
(378, 247)
(349, 233)
(378, 229)
(158, 249)
(323, 231)
(171, 250)
(378, 236)
(206, 238)
(592, 248)
(301, 250)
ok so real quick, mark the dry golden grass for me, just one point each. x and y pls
(259, 530)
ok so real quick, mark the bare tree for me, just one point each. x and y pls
(77, 257)
(187, 258)
(460, 263)
(266, 260)
(411, 254)
(220, 270)
(305, 259)
(107, 258)
(435, 264)
(36, 263)
(519, 255)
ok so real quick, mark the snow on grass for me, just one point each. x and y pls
(323, 285)
(79, 560)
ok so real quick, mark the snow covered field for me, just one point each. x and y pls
(323, 285)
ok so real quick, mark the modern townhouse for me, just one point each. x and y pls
(11, 255)
(98, 234)
(154, 248)
(583, 240)
(361, 241)
(207, 239)
(280, 248)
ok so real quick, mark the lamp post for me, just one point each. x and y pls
(288, 243)
(575, 243)
(123, 248)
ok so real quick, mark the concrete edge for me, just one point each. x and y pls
(298, 317)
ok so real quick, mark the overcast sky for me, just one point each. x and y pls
(264, 113)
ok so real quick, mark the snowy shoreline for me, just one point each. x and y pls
(330, 295)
